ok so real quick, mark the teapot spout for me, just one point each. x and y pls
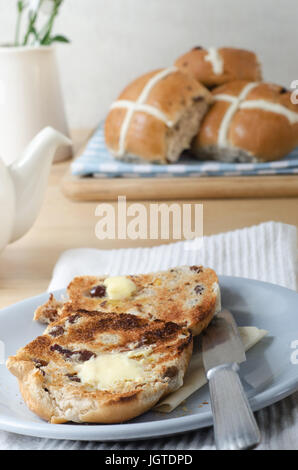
(30, 176)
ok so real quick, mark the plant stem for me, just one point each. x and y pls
(20, 8)
(43, 36)
(31, 23)
(50, 23)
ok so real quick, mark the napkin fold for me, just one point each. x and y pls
(267, 252)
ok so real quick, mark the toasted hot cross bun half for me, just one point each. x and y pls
(214, 67)
(100, 367)
(249, 121)
(186, 295)
(156, 116)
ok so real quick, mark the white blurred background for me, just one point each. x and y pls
(114, 41)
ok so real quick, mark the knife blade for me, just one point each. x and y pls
(222, 342)
(235, 427)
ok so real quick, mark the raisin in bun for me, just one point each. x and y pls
(214, 67)
(156, 116)
(96, 367)
(248, 121)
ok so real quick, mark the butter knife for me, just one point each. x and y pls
(235, 427)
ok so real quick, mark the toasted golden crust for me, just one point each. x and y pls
(49, 311)
(187, 295)
(47, 367)
(261, 133)
(238, 64)
(146, 136)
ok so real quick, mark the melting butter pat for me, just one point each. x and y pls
(108, 370)
(119, 287)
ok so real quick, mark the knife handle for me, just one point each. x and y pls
(235, 427)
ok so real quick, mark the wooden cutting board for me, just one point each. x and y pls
(97, 189)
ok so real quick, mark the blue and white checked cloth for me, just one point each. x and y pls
(97, 161)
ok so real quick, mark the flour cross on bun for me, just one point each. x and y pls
(156, 116)
(98, 367)
(216, 66)
(215, 60)
(237, 102)
(140, 105)
(248, 121)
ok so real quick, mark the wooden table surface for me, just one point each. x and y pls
(27, 264)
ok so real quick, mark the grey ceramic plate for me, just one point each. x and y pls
(268, 374)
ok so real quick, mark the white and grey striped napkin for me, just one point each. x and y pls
(266, 252)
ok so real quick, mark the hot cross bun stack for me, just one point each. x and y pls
(242, 119)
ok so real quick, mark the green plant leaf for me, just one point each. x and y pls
(59, 38)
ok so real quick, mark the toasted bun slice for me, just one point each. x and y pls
(156, 116)
(187, 295)
(59, 381)
(214, 67)
(249, 121)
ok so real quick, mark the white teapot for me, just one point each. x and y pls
(23, 183)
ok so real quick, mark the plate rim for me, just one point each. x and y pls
(144, 430)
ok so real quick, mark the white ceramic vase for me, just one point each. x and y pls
(30, 99)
